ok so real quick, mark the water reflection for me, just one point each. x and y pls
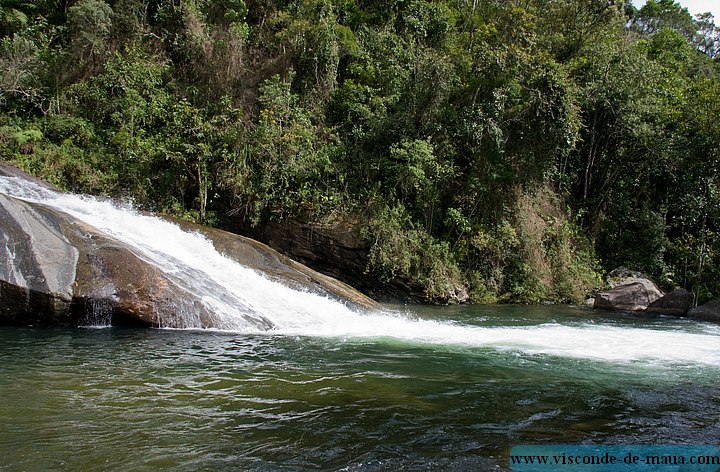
(117, 399)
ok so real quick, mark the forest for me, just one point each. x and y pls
(482, 150)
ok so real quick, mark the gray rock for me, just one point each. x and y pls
(57, 270)
(707, 312)
(37, 264)
(676, 303)
(635, 294)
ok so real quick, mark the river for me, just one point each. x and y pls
(316, 385)
(132, 399)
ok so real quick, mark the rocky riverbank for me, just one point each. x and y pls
(635, 292)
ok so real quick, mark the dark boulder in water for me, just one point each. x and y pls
(676, 303)
(707, 312)
(58, 270)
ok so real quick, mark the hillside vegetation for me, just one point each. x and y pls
(511, 150)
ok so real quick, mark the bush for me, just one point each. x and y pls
(400, 251)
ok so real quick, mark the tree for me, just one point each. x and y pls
(658, 14)
(89, 23)
(707, 38)
(20, 69)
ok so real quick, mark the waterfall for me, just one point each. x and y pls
(242, 300)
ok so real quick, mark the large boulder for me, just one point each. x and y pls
(707, 312)
(676, 303)
(631, 291)
(57, 270)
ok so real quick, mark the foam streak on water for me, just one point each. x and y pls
(233, 293)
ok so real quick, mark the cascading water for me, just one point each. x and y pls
(242, 300)
(98, 314)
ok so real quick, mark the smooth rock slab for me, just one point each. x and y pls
(112, 282)
(57, 270)
(279, 268)
(37, 264)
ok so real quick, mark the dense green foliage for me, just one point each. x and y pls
(511, 149)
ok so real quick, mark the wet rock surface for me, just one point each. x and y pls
(278, 267)
(58, 270)
(37, 269)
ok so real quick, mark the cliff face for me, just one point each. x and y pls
(58, 270)
(336, 250)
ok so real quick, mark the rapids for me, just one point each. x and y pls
(242, 300)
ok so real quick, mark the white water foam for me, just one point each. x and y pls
(233, 293)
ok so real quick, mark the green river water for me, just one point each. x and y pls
(130, 399)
